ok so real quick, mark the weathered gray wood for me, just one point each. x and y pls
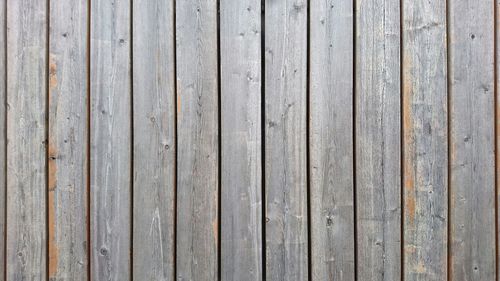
(197, 125)
(26, 139)
(110, 133)
(331, 140)
(240, 40)
(425, 163)
(378, 137)
(67, 197)
(3, 144)
(154, 140)
(472, 140)
(286, 140)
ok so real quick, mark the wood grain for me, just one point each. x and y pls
(425, 141)
(111, 139)
(68, 100)
(26, 139)
(331, 140)
(241, 171)
(378, 137)
(154, 140)
(197, 125)
(3, 131)
(472, 140)
(286, 140)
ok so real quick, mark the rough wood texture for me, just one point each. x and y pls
(111, 162)
(240, 35)
(472, 140)
(26, 139)
(425, 163)
(331, 140)
(154, 140)
(3, 128)
(67, 198)
(197, 125)
(285, 140)
(378, 137)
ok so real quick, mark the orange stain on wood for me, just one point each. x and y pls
(52, 72)
(53, 249)
(409, 177)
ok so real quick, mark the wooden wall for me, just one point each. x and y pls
(252, 140)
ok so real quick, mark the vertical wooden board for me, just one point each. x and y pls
(26, 139)
(197, 125)
(3, 128)
(472, 147)
(331, 140)
(286, 140)
(110, 133)
(67, 197)
(378, 140)
(241, 167)
(154, 140)
(425, 164)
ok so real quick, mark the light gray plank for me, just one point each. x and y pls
(378, 137)
(197, 125)
(67, 198)
(286, 140)
(110, 133)
(26, 139)
(3, 144)
(331, 140)
(154, 140)
(425, 164)
(472, 140)
(240, 35)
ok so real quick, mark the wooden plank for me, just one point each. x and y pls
(331, 140)
(286, 140)
(425, 164)
(111, 162)
(378, 140)
(26, 139)
(197, 157)
(472, 140)
(241, 167)
(154, 140)
(67, 198)
(3, 128)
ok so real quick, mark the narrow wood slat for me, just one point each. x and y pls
(286, 140)
(3, 144)
(472, 140)
(26, 135)
(378, 137)
(241, 171)
(425, 164)
(68, 100)
(331, 140)
(197, 125)
(154, 140)
(110, 133)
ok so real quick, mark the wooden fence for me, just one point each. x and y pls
(247, 140)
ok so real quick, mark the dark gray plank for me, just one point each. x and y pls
(110, 132)
(331, 140)
(67, 198)
(154, 140)
(472, 140)
(26, 139)
(197, 125)
(240, 35)
(286, 140)
(378, 137)
(425, 164)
